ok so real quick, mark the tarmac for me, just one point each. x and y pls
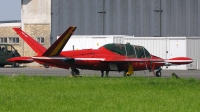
(41, 71)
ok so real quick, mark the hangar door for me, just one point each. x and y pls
(106, 17)
(87, 15)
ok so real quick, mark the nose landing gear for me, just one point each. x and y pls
(158, 73)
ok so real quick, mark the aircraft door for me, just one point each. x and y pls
(177, 49)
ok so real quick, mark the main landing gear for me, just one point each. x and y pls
(102, 73)
(75, 72)
(158, 73)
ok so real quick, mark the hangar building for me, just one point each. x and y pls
(141, 18)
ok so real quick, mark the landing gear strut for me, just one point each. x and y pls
(75, 72)
(102, 73)
(130, 70)
(46, 65)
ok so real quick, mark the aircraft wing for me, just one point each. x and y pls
(167, 62)
(20, 60)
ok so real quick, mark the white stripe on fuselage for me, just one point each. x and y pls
(61, 58)
(178, 60)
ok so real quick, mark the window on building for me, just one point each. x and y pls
(13, 40)
(40, 40)
(9, 40)
(3, 40)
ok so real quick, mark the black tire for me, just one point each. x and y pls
(15, 65)
(126, 74)
(75, 72)
(158, 74)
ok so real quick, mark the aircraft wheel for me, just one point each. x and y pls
(75, 72)
(15, 65)
(126, 74)
(158, 73)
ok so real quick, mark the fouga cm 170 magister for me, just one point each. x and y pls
(110, 57)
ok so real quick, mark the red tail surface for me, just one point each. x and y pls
(59, 44)
(37, 47)
(54, 49)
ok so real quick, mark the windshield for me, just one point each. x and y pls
(132, 51)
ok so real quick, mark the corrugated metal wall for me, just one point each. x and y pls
(193, 52)
(127, 17)
(81, 13)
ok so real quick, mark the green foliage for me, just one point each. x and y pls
(51, 93)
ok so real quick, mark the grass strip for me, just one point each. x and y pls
(50, 93)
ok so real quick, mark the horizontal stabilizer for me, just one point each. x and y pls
(21, 60)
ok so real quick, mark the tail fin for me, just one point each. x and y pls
(38, 48)
(59, 44)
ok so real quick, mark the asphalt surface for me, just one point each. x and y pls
(41, 71)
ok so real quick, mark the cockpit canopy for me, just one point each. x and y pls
(132, 51)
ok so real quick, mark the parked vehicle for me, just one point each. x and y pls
(8, 51)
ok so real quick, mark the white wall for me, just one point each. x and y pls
(91, 41)
(36, 11)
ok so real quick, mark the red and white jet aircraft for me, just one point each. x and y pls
(110, 57)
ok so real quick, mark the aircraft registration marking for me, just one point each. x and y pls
(25, 34)
(141, 63)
